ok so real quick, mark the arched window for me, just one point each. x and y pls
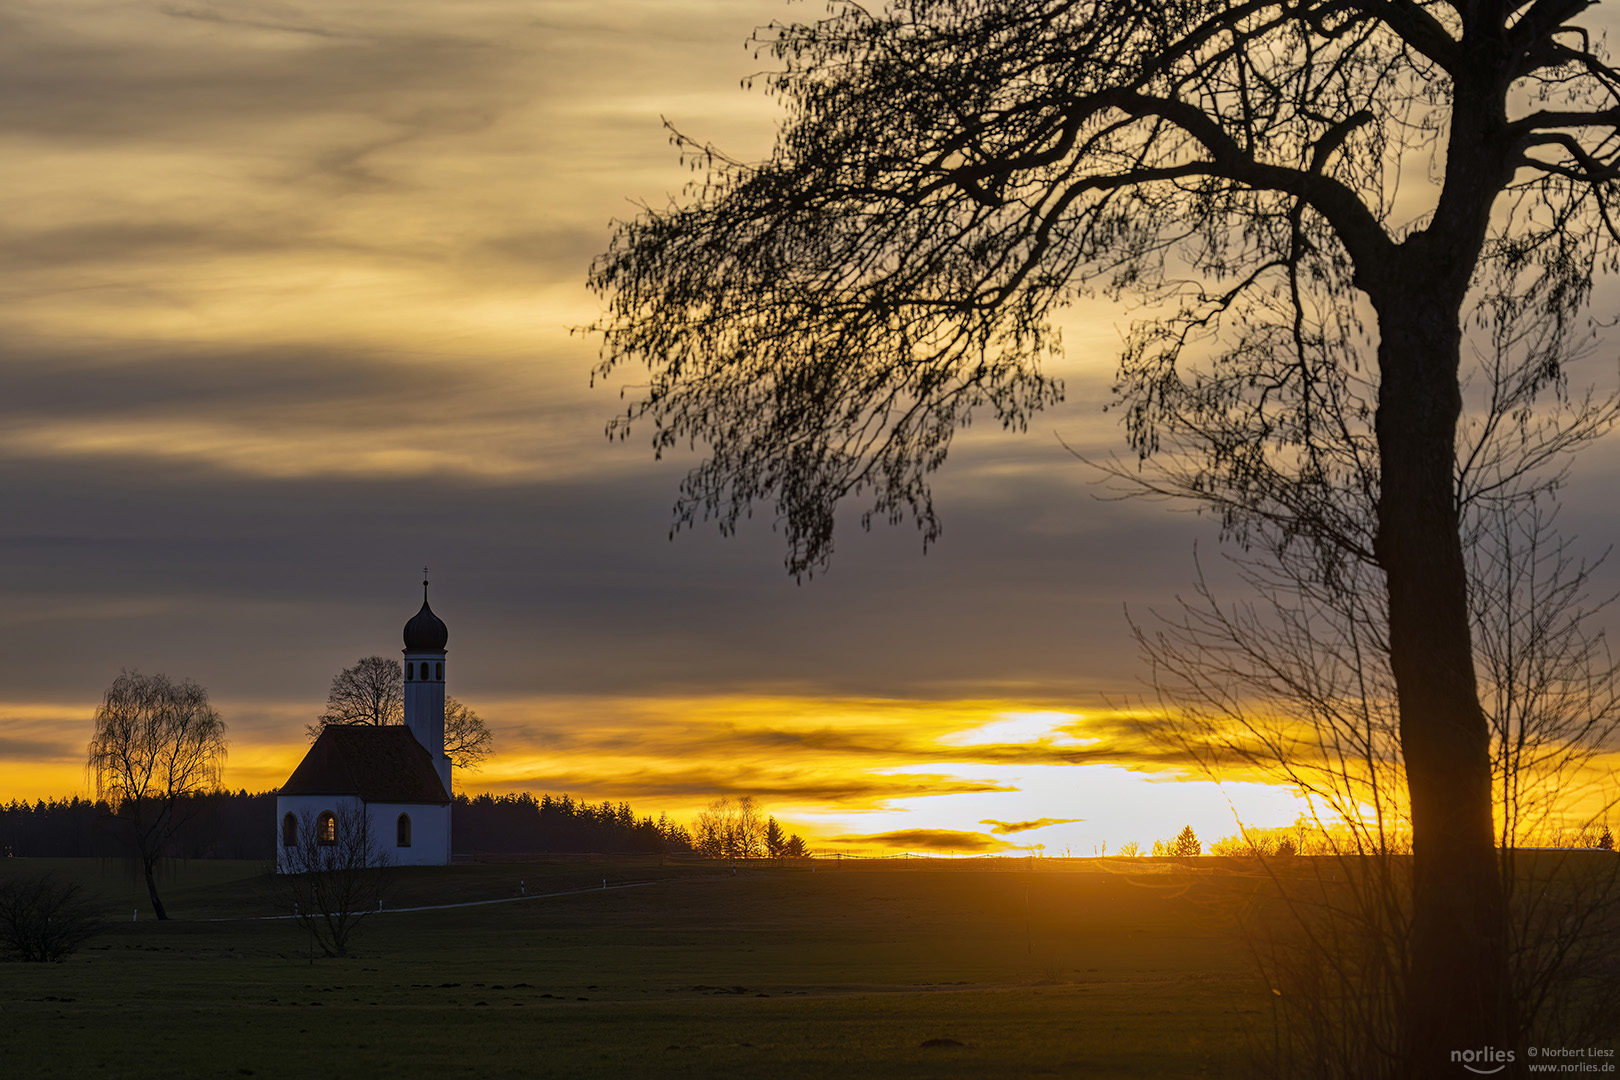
(438, 672)
(289, 831)
(326, 828)
(410, 672)
(402, 831)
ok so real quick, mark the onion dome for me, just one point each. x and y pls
(425, 632)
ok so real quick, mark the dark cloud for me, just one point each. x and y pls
(1126, 747)
(549, 588)
(928, 840)
(119, 242)
(705, 778)
(17, 751)
(1007, 828)
(234, 385)
(72, 83)
(223, 158)
(259, 23)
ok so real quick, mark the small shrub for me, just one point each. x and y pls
(42, 918)
(331, 887)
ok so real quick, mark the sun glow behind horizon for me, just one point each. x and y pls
(860, 776)
(852, 776)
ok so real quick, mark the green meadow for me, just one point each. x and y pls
(875, 971)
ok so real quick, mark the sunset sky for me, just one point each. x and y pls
(287, 298)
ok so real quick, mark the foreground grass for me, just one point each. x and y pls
(699, 973)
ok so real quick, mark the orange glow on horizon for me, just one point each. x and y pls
(858, 775)
(863, 776)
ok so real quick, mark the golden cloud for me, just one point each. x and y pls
(937, 840)
(1006, 828)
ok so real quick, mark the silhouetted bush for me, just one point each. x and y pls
(330, 886)
(42, 918)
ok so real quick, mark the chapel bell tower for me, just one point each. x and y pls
(425, 637)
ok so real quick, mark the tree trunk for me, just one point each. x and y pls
(148, 862)
(1458, 993)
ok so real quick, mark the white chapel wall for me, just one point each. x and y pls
(302, 806)
(430, 826)
(430, 833)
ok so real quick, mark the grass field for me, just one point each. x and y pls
(772, 972)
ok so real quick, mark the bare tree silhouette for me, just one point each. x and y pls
(43, 918)
(370, 692)
(1317, 195)
(730, 829)
(1294, 682)
(373, 692)
(333, 877)
(156, 744)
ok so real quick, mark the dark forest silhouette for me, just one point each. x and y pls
(241, 825)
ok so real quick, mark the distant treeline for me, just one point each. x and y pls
(223, 825)
(510, 823)
(242, 825)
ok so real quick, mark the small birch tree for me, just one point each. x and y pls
(157, 743)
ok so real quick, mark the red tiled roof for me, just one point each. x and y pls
(381, 764)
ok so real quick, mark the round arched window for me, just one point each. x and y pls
(326, 828)
(438, 672)
(289, 831)
(402, 831)
(410, 672)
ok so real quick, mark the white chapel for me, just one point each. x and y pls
(395, 778)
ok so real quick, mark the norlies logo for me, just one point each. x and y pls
(1487, 1055)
